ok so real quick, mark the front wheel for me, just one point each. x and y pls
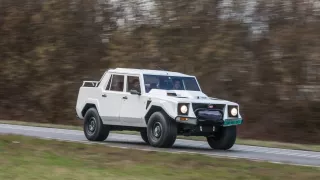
(93, 128)
(224, 139)
(161, 130)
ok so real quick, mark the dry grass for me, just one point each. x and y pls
(31, 158)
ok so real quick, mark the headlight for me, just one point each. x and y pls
(234, 111)
(183, 109)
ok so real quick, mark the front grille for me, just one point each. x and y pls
(196, 106)
(209, 116)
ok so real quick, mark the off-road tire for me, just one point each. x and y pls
(168, 130)
(224, 139)
(99, 132)
(144, 136)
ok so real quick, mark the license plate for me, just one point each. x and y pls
(207, 128)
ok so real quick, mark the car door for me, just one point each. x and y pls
(111, 99)
(132, 109)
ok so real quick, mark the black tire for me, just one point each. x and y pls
(224, 139)
(144, 136)
(93, 128)
(161, 130)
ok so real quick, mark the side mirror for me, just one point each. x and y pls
(133, 91)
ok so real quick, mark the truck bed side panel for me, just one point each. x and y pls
(87, 95)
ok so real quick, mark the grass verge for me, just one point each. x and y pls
(30, 158)
(239, 140)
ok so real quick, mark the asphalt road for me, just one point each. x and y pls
(276, 155)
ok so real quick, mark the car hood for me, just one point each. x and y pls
(186, 96)
(189, 94)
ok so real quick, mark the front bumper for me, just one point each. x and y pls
(221, 122)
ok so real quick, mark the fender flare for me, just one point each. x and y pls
(89, 104)
(152, 109)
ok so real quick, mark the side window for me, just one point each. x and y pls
(133, 83)
(150, 82)
(109, 82)
(117, 83)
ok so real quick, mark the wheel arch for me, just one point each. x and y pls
(87, 107)
(153, 109)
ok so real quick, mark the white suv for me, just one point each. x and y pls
(158, 104)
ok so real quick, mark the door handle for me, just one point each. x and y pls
(125, 97)
(104, 95)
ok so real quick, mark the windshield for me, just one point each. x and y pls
(170, 83)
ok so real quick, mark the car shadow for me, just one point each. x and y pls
(177, 146)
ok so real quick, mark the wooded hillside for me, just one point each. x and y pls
(263, 54)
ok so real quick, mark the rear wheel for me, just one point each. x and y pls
(93, 128)
(161, 130)
(223, 139)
